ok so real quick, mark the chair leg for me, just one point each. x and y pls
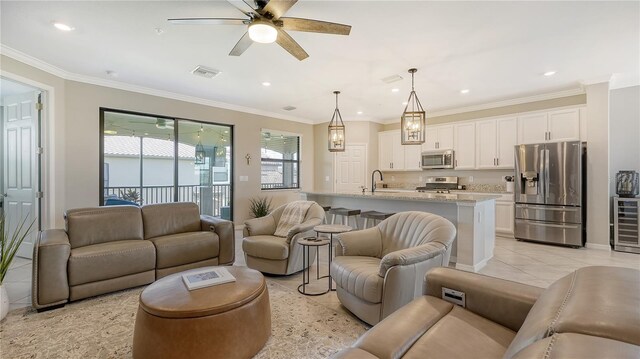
(333, 218)
(366, 223)
(355, 220)
(345, 220)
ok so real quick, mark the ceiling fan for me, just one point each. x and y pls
(266, 24)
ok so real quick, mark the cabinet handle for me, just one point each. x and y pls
(456, 161)
(549, 136)
(497, 162)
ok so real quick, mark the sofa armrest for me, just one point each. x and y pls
(50, 284)
(366, 243)
(260, 226)
(504, 302)
(226, 234)
(303, 227)
(409, 256)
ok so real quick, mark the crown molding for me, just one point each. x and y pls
(70, 76)
(502, 103)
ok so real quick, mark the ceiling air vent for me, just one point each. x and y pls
(391, 79)
(289, 108)
(205, 72)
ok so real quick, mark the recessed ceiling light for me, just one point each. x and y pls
(395, 90)
(266, 84)
(63, 27)
(549, 73)
(359, 112)
(464, 91)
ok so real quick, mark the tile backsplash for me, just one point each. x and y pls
(477, 181)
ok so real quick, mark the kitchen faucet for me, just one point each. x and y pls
(373, 183)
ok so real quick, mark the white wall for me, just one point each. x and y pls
(625, 131)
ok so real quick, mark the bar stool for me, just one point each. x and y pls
(326, 209)
(346, 213)
(375, 216)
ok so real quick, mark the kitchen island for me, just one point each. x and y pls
(473, 215)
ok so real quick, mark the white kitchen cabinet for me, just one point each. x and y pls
(486, 144)
(553, 126)
(532, 128)
(507, 139)
(564, 125)
(412, 157)
(438, 138)
(505, 213)
(465, 146)
(390, 151)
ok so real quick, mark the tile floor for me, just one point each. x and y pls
(529, 263)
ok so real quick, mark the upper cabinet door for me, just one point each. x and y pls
(564, 125)
(465, 146)
(532, 128)
(486, 144)
(445, 137)
(506, 129)
(398, 151)
(385, 151)
(412, 157)
(431, 138)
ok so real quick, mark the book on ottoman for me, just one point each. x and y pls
(207, 277)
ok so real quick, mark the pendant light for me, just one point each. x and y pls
(336, 130)
(413, 121)
(200, 154)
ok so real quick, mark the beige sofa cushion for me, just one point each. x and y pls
(184, 248)
(411, 229)
(266, 246)
(592, 300)
(359, 276)
(110, 260)
(170, 218)
(87, 226)
(569, 345)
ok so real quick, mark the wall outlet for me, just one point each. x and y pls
(244, 178)
(470, 179)
(326, 178)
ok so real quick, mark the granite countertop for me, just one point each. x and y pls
(414, 196)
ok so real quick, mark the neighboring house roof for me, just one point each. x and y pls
(153, 147)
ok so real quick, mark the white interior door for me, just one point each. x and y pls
(351, 168)
(20, 182)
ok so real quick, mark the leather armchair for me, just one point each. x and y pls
(380, 269)
(575, 317)
(267, 253)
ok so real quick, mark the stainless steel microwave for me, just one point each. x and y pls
(438, 159)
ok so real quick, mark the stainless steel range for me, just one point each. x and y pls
(550, 193)
(439, 185)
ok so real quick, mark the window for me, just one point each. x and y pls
(149, 159)
(280, 158)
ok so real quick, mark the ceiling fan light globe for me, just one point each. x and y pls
(263, 33)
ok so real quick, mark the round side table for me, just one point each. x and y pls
(307, 243)
(331, 229)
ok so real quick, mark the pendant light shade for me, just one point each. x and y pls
(413, 121)
(200, 154)
(336, 130)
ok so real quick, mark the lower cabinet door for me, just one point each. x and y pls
(504, 217)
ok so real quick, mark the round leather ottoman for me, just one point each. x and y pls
(231, 320)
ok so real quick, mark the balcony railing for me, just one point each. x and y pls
(210, 199)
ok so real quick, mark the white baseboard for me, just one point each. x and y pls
(474, 268)
(602, 247)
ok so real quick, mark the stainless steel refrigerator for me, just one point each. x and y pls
(550, 196)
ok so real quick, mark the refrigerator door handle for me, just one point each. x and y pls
(547, 178)
(542, 176)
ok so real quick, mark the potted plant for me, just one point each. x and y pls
(9, 244)
(260, 206)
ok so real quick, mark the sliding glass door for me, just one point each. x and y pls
(149, 159)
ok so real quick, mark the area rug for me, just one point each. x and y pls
(102, 327)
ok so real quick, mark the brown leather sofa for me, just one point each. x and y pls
(592, 313)
(105, 249)
(380, 269)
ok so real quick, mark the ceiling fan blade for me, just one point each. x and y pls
(308, 25)
(277, 8)
(208, 21)
(242, 6)
(242, 45)
(292, 47)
